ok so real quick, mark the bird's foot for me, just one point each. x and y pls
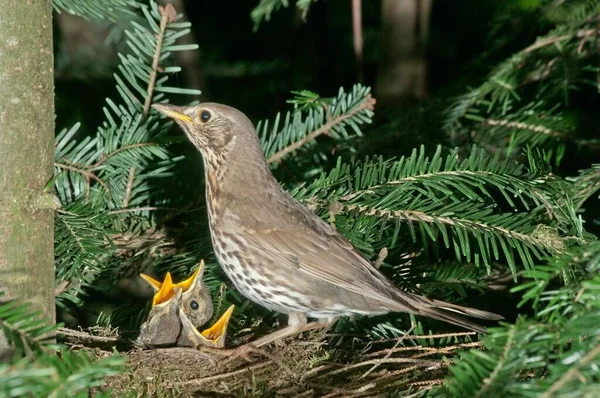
(247, 352)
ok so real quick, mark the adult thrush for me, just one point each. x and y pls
(277, 252)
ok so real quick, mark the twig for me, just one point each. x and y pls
(421, 362)
(367, 103)
(337, 392)
(123, 148)
(383, 253)
(168, 15)
(61, 287)
(555, 39)
(523, 126)
(86, 173)
(78, 336)
(226, 375)
(427, 383)
(431, 336)
(487, 382)
(129, 187)
(386, 357)
(447, 350)
(142, 208)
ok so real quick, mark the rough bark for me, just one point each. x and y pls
(402, 68)
(26, 154)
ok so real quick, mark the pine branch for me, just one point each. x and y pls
(585, 185)
(486, 235)
(128, 138)
(541, 76)
(82, 242)
(168, 16)
(264, 9)
(325, 129)
(546, 41)
(573, 372)
(301, 127)
(73, 374)
(552, 354)
(452, 202)
(93, 9)
(24, 329)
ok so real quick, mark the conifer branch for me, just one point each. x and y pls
(106, 157)
(89, 175)
(552, 246)
(168, 15)
(368, 103)
(129, 187)
(574, 371)
(546, 41)
(489, 381)
(523, 126)
(316, 117)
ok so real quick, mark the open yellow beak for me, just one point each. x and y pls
(172, 111)
(218, 330)
(156, 285)
(189, 282)
(164, 294)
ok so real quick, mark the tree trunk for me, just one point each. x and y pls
(26, 154)
(402, 68)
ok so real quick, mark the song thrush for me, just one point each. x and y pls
(276, 251)
(178, 310)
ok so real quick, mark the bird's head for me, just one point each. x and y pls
(214, 129)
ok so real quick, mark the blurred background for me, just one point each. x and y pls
(415, 54)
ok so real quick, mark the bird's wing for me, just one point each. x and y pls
(321, 252)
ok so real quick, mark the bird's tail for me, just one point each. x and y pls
(447, 312)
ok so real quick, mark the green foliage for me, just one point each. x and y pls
(104, 180)
(555, 353)
(338, 117)
(264, 9)
(527, 98)
(64, 374)
(449, 201)
(93, 9)
(39, 368)
(24, 329)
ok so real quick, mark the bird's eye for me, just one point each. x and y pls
(194, 305)
(205, 116)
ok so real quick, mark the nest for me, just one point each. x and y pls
(300, 368)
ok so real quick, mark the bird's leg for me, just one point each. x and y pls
(327, 324)
(296, 324)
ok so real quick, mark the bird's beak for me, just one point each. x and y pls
(166, 291)
(174, 112)
(156, 285)
(163, 293)
(217, 331)
(192, 281)
(212, 337)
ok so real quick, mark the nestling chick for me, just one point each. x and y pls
(196, 300)
(178, 310)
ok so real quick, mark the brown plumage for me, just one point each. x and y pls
(276, 251)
